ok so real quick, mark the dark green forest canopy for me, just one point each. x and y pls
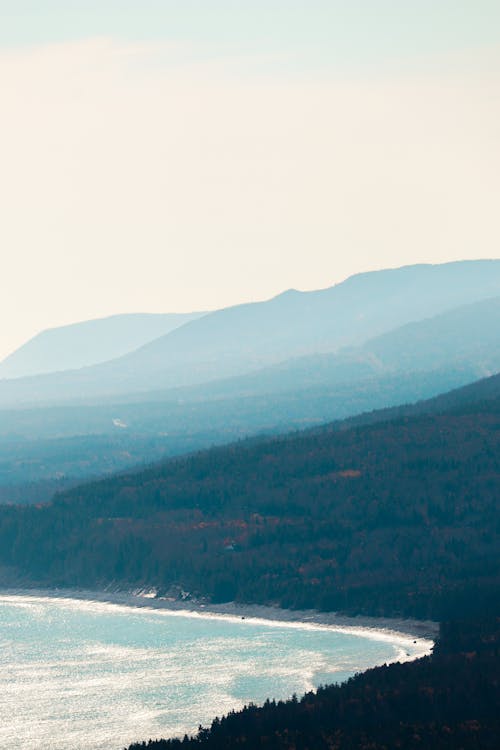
(396, 517)
(32, 470)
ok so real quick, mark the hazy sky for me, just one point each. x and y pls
(170, 155)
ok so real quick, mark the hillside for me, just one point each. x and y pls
(479, 395)
(32, 468)
(395, 517)
(247, 337)
(88, 343)
(467, 338)
(343, 315)
(404, 366)
(464, 342)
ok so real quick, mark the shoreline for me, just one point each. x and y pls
(419, 633)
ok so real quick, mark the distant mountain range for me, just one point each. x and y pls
(466, 338)
(71, 441)
(93, 341)
(243, 339)
(412, 362)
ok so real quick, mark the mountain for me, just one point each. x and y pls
(247, 337)
(65, 443)
(413, 362)
(349, 313)
(32, 470)
(90, 342)
(478, 395)
(395, 517)
(467, 337)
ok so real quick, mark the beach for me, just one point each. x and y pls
(417, 632)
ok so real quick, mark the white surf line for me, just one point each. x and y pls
(408, 643)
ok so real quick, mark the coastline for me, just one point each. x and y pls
(420, 634)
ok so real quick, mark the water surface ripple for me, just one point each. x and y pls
(96, 676)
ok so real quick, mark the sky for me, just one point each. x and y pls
(176, 155)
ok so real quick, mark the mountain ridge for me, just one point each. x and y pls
(246, 337)
(89, 342)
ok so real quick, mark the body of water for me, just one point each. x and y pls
(92, 676)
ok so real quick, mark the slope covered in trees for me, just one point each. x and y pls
(474, 397)
(393, 517)
(31, 471)
(398, 516)
(89, 440)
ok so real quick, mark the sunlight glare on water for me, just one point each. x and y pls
(95, 676)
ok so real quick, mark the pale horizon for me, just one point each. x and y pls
(172, 159)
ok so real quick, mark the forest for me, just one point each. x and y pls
(392, 518)
(77, 443)
(391, 513)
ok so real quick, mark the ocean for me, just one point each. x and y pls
(92, 675)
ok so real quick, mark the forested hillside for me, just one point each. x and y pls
(82, 441)
(60, 445)
(478, 396)
(390, 513)
(31, 471)
(394, 517)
